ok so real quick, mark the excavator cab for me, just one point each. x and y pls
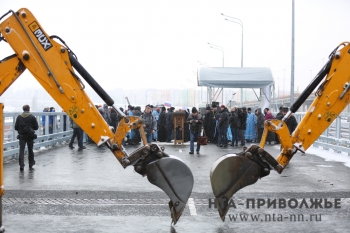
(56, 68)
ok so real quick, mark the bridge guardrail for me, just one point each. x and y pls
(335, 137)
(61, 132)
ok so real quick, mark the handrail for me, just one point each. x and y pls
(60, 133)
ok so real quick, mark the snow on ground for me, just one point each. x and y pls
(330, 155)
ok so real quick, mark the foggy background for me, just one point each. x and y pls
(150, 50)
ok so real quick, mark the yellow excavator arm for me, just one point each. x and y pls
(331, 97)
(54, 65)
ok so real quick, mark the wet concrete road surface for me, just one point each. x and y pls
(89, 191)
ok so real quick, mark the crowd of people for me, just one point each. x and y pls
(158, 124)
(241, 124)
(222, 126)
(43, 119)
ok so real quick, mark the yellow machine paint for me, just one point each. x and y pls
(52, 63)
(332, 86)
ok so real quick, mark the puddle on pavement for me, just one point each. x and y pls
(323, 165)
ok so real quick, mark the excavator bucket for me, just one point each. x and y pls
(174, 177)
(229, 174)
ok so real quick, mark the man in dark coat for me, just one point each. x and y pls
(149, 123)
(242, 114)
(291, 121)
(209, 124)
(136, 139)
(77, 133)
(114, 118)
(196, 123)
(187, 127)
(162, 135)
(216, 117)
(25, 124)
(279, 116)
(260, 123)
(223, 126)
(234, 123)
(169, 124)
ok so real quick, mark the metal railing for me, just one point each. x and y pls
(57, 134)
(336, 136)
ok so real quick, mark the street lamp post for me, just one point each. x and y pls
(201, 99)
(218, 48)
(203, 63)
(284, 80)
(311, 75)
(223, 64)
(238, 21)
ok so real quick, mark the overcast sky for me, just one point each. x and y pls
(157, 44)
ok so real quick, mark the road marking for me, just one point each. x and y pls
(191, 206)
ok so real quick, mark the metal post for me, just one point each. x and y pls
(338, 127)
(2, 189)
(292, 58)
(242, 47)
(223, 64)
(241, 24)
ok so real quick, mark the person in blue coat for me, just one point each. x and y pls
(250, 133)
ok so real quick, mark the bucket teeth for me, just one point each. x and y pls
(229, 174)
(174, 177)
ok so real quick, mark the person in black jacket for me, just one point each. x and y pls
(279, 116)
(114, 118)
(291, 121)
(242, 114)
(136, 139)
(235, 123)
(195, 121)
(25, 124)
(216, 117)
(169, 124)
(259, 124)
(162, 134)
(223, 126)
(187, 127)
(209, 124)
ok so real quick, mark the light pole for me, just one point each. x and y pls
(238, 21)
(218, 48)
(284, 80)
(203, 63)
(311, 75)
(223, 63)
(292, 62)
